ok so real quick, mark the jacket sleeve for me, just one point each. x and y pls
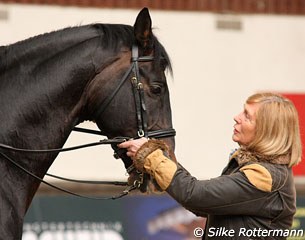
(227, 194)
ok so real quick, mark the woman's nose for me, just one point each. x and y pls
(237, 118)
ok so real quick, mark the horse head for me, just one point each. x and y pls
(139, 102)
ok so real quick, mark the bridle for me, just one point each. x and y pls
(138, 93)
(142, 131)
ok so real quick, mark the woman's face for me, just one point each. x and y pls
(244, 128)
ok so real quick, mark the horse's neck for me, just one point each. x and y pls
(45, 95)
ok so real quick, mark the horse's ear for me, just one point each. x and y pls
(142, 28)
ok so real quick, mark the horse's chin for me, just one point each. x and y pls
(170, 142)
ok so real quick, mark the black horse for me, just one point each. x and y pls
(52, 82)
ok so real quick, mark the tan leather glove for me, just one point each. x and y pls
(146, 149)
(152, 158)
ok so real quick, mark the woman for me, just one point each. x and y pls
(255, 197)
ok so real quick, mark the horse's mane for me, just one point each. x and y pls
(46, 45)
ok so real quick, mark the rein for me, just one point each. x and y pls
(141, 115)
(101, 142)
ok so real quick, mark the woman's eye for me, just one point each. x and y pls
(156, 89)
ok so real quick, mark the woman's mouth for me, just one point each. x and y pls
(235, 131)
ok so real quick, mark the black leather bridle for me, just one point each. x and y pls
(143, 131)
(138, 93)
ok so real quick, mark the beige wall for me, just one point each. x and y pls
(214, 71)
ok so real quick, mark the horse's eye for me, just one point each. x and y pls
(156, 89)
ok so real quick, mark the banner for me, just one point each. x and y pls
(157, 217)
(134, 217)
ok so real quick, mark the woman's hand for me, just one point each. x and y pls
(132, 146)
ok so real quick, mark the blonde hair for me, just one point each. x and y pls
(277, 127)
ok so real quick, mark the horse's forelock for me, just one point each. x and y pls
(162, 56)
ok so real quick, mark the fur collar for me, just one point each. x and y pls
(244, 156)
